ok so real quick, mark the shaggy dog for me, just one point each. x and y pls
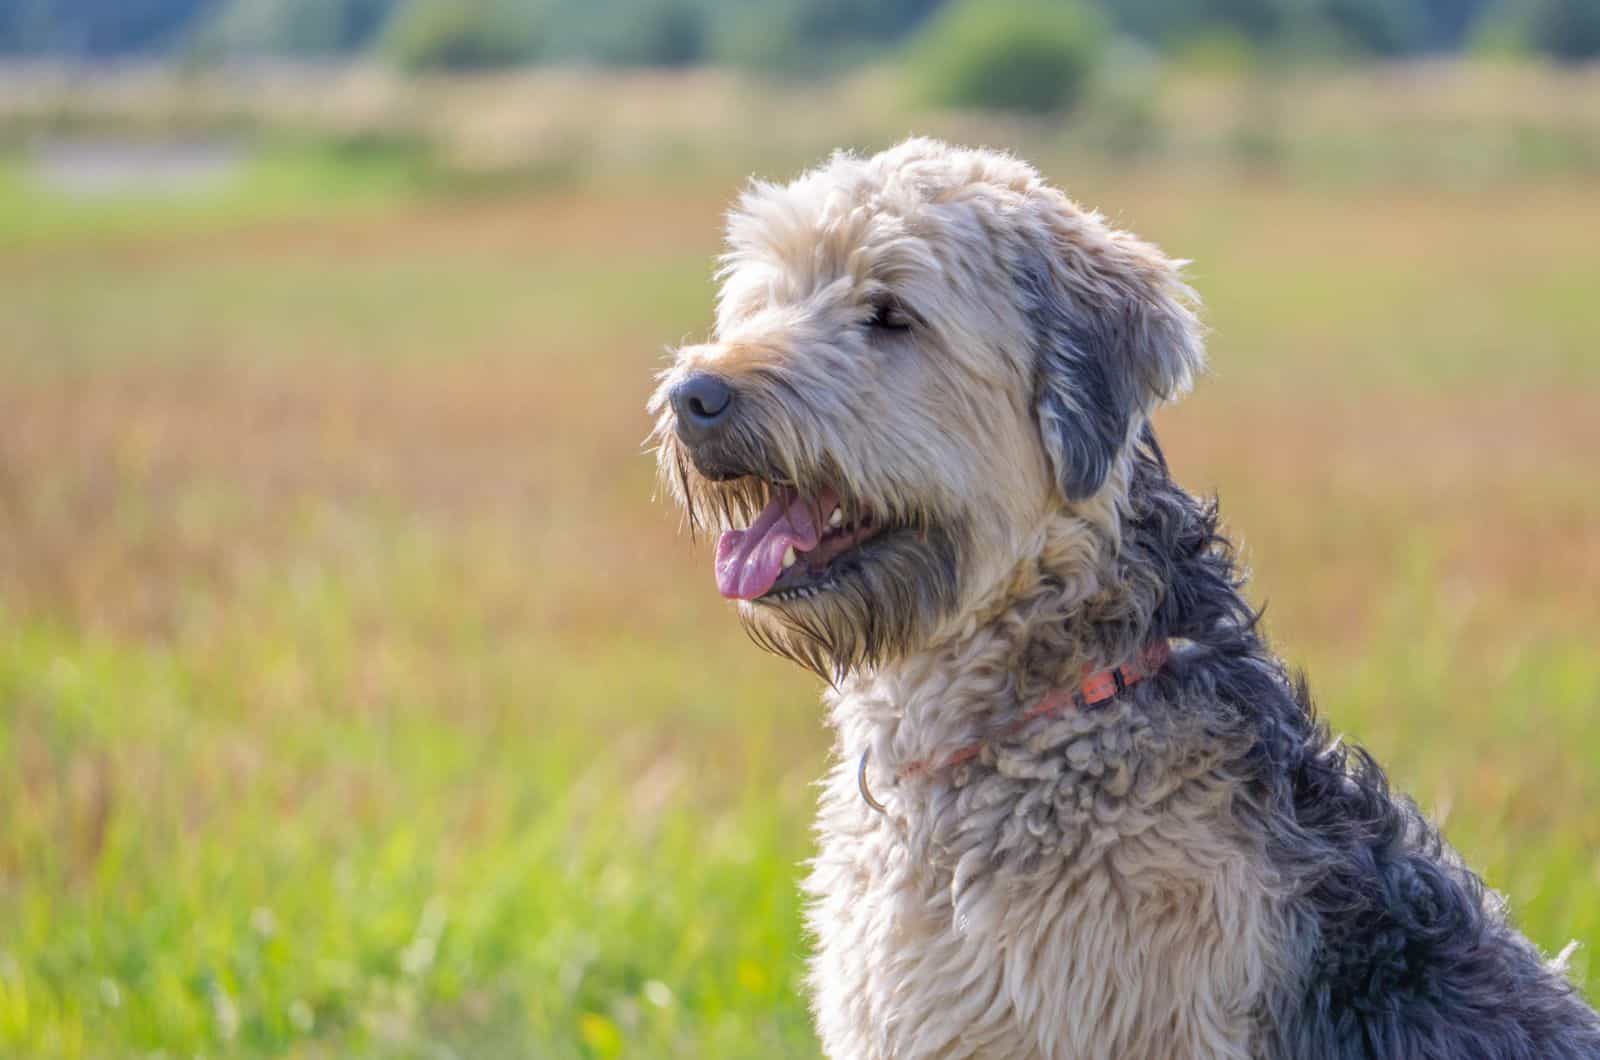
(1078, 808)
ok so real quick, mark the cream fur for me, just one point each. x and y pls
(1083, 894)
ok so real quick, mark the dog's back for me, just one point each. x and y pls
(1403, 951)
(1413, 955)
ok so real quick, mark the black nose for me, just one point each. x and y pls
(702, 403)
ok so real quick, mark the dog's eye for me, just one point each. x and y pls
(889, 316)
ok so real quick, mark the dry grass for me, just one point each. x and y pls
(1421, 122)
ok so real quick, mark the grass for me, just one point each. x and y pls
(277, 178)
(355, 699)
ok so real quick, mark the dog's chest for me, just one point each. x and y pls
(1087, 899)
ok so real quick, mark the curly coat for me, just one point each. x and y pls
(1193, 869)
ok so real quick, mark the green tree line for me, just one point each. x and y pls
(796, 36)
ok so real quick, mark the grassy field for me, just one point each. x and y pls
(355, 699)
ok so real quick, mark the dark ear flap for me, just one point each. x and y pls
(1114, 336)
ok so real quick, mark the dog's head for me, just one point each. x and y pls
(922, 362)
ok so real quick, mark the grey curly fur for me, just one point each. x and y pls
(1410, 955)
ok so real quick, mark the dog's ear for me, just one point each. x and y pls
(1114, 335)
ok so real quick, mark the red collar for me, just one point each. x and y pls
(1097, 687)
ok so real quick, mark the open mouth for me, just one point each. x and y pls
(792, 549)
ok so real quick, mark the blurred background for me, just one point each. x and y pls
(356, 699)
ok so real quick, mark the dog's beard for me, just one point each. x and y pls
(876, 601)
(730, 499)
(881, 602)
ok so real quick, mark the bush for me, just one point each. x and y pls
(1569, 30)
(1376, 27)
(628, 32)
(666, 33)
(1019, 55)
(1181, 24)
(809, 37)
(459, 35)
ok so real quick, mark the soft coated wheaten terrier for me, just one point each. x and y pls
(1078, 808)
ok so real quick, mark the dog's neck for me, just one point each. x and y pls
(1058, 614)
(1106, 580)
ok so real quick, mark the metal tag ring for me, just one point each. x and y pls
(861, 782)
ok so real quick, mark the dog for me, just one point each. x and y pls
(1077, 807)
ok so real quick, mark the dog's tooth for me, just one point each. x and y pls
(836, 520)
(788, 557)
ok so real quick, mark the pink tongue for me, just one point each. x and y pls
(749, 561)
